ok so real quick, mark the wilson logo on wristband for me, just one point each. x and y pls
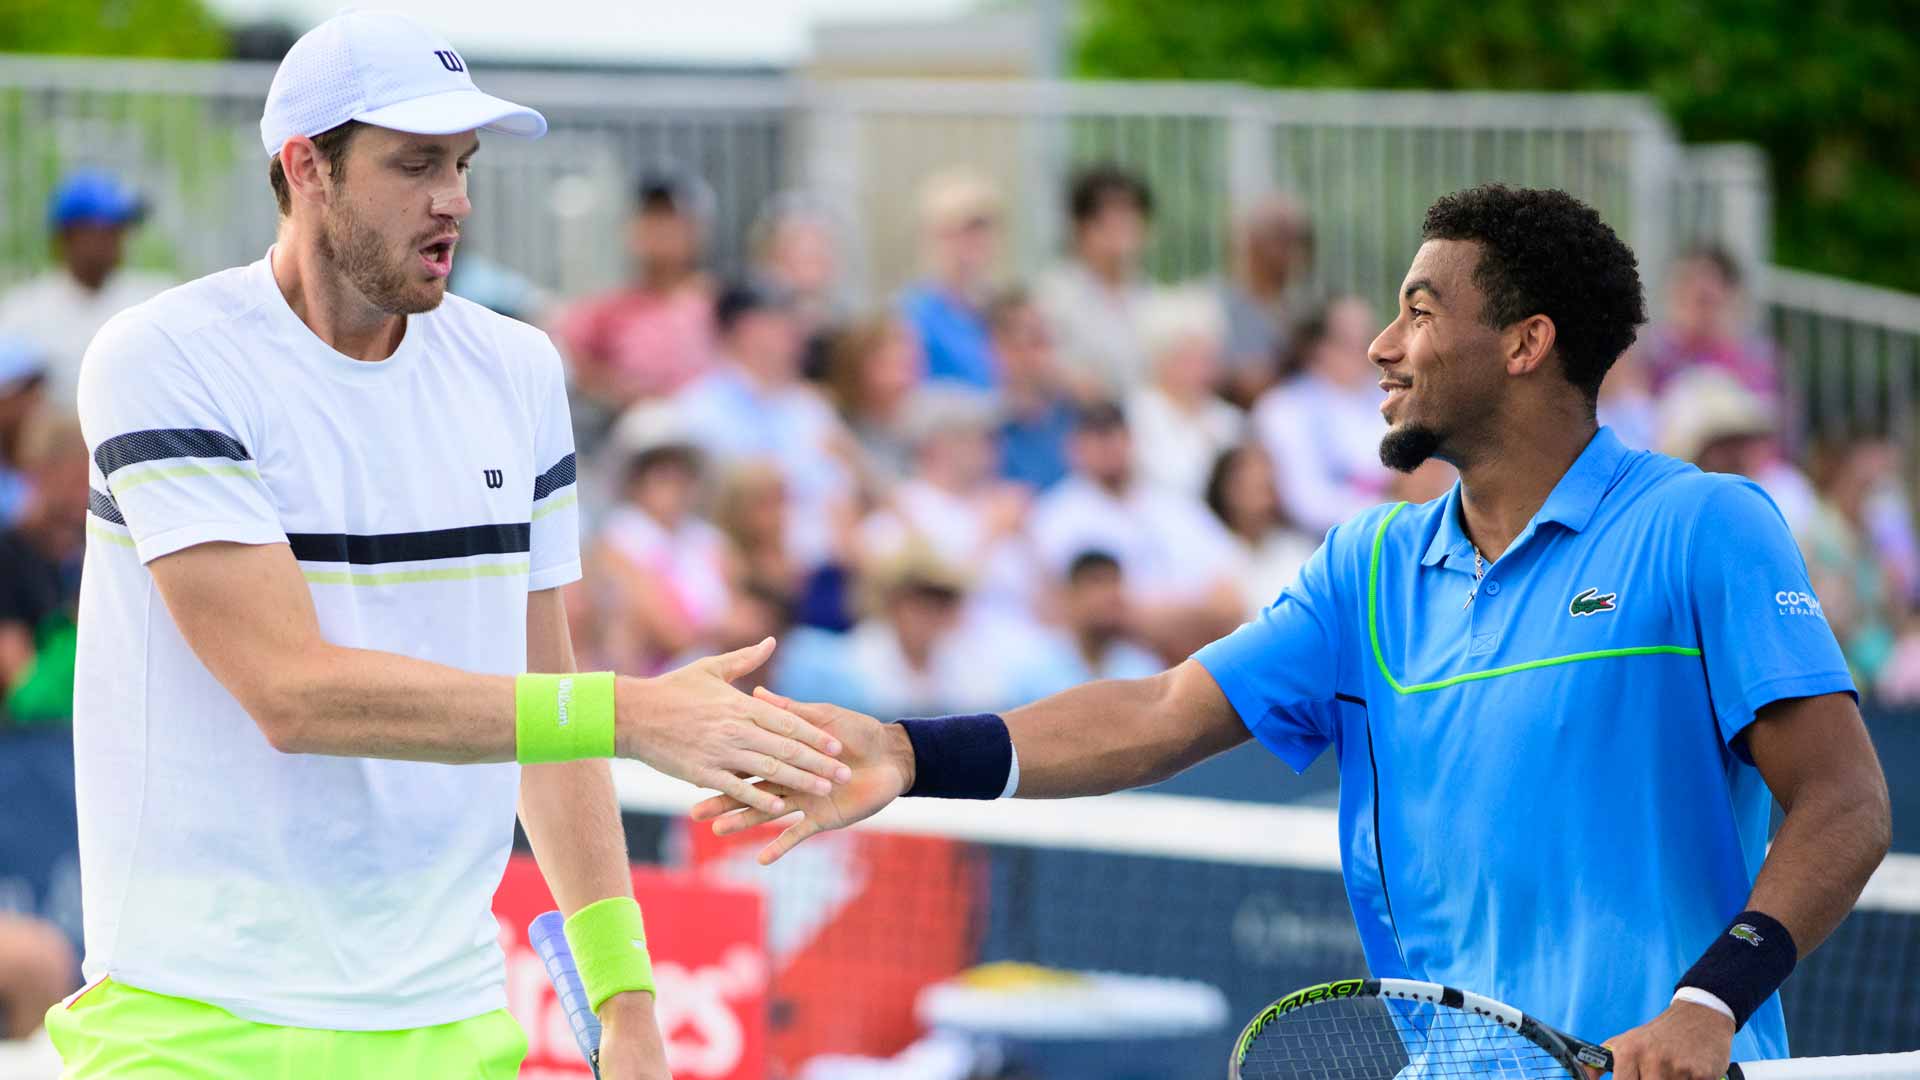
(563, 696)
(1745, 933)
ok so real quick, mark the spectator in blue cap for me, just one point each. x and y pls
(59, 311)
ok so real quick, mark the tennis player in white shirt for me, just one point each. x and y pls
(332, 510)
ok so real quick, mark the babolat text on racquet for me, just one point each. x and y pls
(548, 936)
(1398, 1029)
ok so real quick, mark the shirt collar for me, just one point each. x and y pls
(1578, 494)
(1571, 503)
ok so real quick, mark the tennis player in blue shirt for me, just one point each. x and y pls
(1562, 697)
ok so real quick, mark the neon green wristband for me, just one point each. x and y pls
(563, 717)
(609, 944)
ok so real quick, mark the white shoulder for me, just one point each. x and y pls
(185, 309)
(519, 345)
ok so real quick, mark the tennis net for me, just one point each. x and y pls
(1243, 898)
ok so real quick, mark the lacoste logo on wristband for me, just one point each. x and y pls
(1745, 933)
(563, 697)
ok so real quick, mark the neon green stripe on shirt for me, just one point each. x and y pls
(548, 507)
(101, 532)
(1380, 659)
(409, 577)
(121, 482)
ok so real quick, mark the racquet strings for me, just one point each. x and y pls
(1374, 1038)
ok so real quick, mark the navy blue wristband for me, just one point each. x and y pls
(960, 757)
(1745, 965)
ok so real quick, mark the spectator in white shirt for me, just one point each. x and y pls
(1095, 640)
(796, 245)
(1272, 252)
(754, 406)
(671, 574)
(874, 368)
(1095, 300)
(1322, 426)
(1179, 425)
(59, 312)
(1178, 561)
(909, 655)
(1241, 493)
(956, 504)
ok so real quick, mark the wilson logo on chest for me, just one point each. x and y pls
(495, 478)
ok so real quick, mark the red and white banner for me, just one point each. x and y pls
(709, 962)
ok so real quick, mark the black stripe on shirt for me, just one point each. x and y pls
(137, 446)
(411, 547)
(104, 507)
(553, 479)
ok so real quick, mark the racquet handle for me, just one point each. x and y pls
(548, 936)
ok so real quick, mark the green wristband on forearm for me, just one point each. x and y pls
(563, 717)
(609, 944)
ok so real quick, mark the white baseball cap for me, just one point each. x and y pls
(384, 69)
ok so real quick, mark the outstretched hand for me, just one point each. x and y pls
(882, 763)
(692, 724)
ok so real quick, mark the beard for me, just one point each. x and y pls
(359, 254)
(1407, 447)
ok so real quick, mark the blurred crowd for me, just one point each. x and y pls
(986, 489)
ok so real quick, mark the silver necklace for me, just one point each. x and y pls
(1479, 571)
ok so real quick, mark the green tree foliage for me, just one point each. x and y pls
(167, 28)
(1830, 89)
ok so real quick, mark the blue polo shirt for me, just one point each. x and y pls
(1541, 795)
(953, 335)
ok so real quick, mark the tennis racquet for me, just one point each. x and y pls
(1397, 1029)
(548, 936)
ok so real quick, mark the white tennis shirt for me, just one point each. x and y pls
(424, 496)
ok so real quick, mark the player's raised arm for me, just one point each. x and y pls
(248, 615)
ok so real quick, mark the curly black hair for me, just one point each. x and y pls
(1544, 252)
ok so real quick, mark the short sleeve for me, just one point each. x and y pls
(173, 462)
(555, 540)
(1278, 669)
(1763, 636)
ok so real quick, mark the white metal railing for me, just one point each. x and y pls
(1851, 351)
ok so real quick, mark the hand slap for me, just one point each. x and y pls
(696, 726)
(878, 777)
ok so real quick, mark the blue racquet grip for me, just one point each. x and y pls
(548, 936)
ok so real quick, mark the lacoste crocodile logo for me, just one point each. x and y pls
(1591, 601)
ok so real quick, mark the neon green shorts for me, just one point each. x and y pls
(112, 1031)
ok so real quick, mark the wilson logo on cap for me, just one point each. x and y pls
(371, 66)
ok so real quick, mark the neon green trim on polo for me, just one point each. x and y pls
(1380, 659)
(409, 577)
(100, 531)
(121, 483)
(551, 505)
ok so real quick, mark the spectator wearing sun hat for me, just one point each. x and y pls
(89, 217)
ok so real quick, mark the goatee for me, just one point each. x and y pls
(1407, 447)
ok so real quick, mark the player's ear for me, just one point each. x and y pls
(1527, 343)
(305, 170)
